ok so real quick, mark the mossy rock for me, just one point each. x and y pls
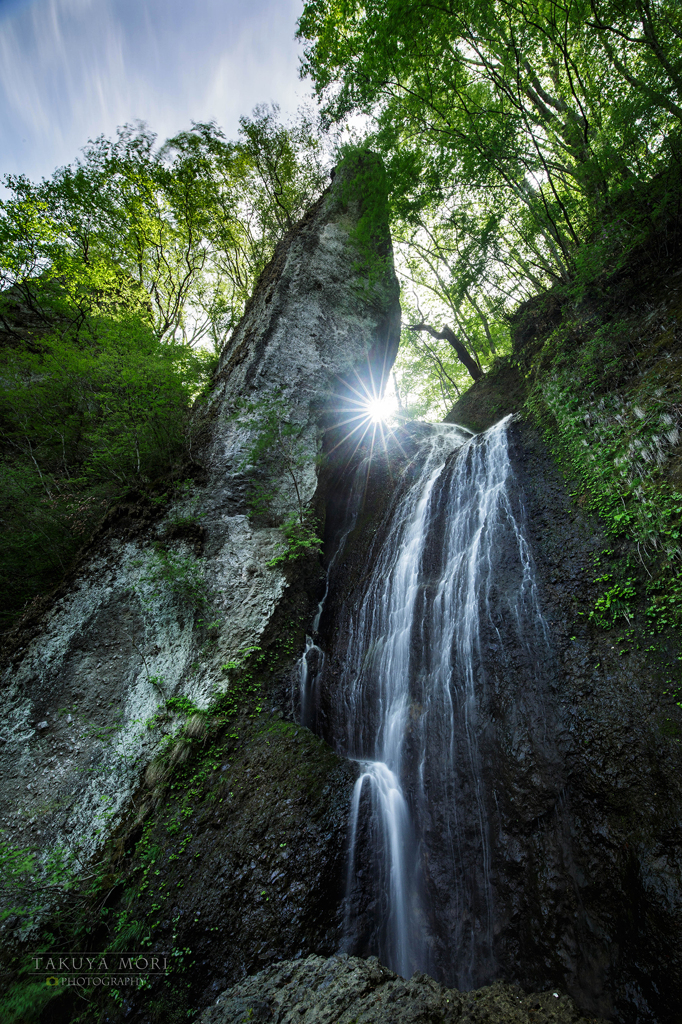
(497, 394)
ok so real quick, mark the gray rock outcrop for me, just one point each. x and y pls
(164, 601)
(349, 990)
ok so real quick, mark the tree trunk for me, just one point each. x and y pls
(447, 335)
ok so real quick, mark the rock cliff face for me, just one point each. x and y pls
(146, 714)
(578, 767)
(163, 601)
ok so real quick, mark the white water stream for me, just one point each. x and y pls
(406, 706)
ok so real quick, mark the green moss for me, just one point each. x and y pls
(500, 392)
(604, 390)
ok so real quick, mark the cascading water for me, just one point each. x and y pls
(405, 704)
(376, 687)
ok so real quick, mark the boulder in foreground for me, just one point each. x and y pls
(348, 990)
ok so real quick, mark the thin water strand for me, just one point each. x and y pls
(391, 819)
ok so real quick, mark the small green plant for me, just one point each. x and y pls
(210, 627)
(275, 459)
(182, 706)
(664, 608)
(180, 575)
(244, 654)
(301, 539)
(614, 603)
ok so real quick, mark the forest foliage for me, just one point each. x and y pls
(121, 277)
(527, 144)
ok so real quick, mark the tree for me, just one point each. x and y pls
(114, 273)
(185, 228)
(253, 192)
(538, 99)
(447, 334)
(523, 141)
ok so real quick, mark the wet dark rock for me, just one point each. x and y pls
(596, 898)
(250, 869)
(349, 990)
(497, 394)
(581, 766)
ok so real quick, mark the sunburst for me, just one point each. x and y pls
(367, 413)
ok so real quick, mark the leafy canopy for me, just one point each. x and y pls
(121, 277)
(526, 143)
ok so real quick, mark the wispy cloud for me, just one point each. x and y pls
(74, 69)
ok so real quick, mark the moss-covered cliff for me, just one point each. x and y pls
(153, 797)
(597, 368)
(211, 829)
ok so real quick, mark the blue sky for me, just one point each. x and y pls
(74, 69)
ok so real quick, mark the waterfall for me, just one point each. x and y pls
(416, 664)
(309, 666)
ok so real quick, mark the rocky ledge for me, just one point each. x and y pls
(348, 990)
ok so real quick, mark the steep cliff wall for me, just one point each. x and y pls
(577, 770)
(173, 612)
(579, 746)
